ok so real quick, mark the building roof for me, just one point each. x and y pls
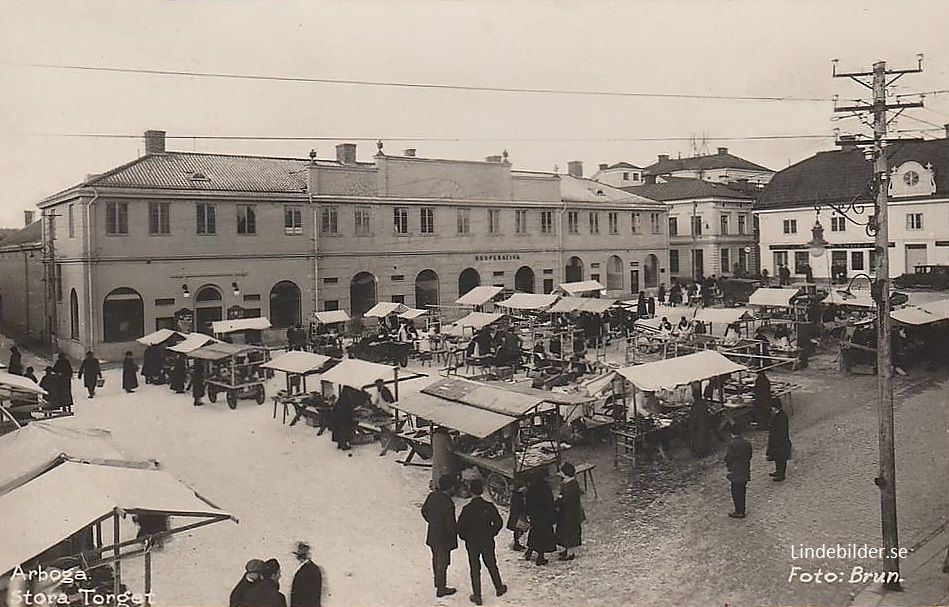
(843, 175)
(686, 189)
(722, 160)
(623, 165)
(30, 235)
(579, 189)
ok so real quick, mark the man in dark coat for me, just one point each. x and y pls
(542, 514)
(307, 587)
(441, 537)
(517, 518)
(129, 373)
(197, 383)
(152, 364)
(762, 395)
(16, 362)
(699, 423)
(265, 592)
(179, 374)
(252, 572)
(738, 462)
(779, 441)
(478, 524)
(343, 418)
(570, 514)
(50, 382)
(63, 370)
(90, 372)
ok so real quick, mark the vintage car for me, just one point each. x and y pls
(925, 277)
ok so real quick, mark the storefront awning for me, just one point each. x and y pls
(478, 296)
(773, 298)
(474, 321)
(302, 363)
(358, 374)
(413, 313)
(528, 301)
(583, 286)
(192, 342)
(331, 316)
(464, 418)
(159, 337)
(240, 324)
(683, 370)
(384, 308)
(491, 398)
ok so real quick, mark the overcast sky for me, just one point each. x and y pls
(715, 48)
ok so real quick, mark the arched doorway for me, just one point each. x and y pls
(524, 280)
(651, 271)
(574, 270)
(426, 289)
(123, 315)
(362, 293)
(208, 307)
(73, 315)
(467, 280)
(284, 304)
(614, 274)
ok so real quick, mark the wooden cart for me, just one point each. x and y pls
(235, 370)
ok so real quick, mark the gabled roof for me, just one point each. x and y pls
(579, 189)
(843, 175)
(30, 235)
(703, 163)
(623, 165)
(686, 189)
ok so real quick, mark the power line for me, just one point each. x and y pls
(414, 85)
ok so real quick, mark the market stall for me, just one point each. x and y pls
(22, 401)
(371, 422)
(478, 297)
(325, 332)
(235, 369)
(191, 342)
(298, 366)
(156, 365)
(588, 288)
(248, 328)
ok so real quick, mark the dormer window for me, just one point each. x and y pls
(198, 176)
(912, 179)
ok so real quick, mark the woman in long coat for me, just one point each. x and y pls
(342, 418)
(542, 514)
(179, 375)
(570, 514)
(152, 364)
(699, 423)
(63, 371)
(89, 373)
(517, 519)
(50, 382)
(129, 373)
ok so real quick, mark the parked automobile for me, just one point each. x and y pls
(925, 277)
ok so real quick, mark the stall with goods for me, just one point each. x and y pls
(233, 369)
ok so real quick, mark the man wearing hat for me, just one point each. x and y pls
(307, 587)
(265, 592)
(439, 512)
(252, 571)
(478, 524)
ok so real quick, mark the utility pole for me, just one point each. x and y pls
(52, 276)
(886, 479)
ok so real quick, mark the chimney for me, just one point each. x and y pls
(722, 151)
(604, 166)
(346, 153)
(154, 142)
(409, 152)
(663, 157)
(575, 168)
(28, 215)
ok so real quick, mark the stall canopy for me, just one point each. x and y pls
(84, 494)
(457, 416)
(240, 324)
(672, 372)
(478, 296)
(499, 400)
(302, 363)
(384, 308)
(220, 350)
(913, 315)
(725, 316)
(582, 304)
(578, 288)
(474, 320)
(17, 383)
(358, 374)
(331, 316)
(859, 299)
(159, 337)
(773, 298)
(192, 341)
(528, 301)
(413, 313)
(939, 308)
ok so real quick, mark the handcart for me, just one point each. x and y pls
(235, 370)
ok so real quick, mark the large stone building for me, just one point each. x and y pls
(176, 238)
(918, 209)
(24, 311)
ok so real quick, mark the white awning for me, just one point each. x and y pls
(19, 383)
(221, 350)
(583, 286)
(672, 372)
(478, 296)
(240, 324)
(474, 320)
(860, 299)
(467, 419)
(582, 304)
(725, 316)
(476, 394)
(192, 342)
(912, 315)
(774, 298)
(939, 308)
(413, 313)
(384, 308)
(358, 374)
(158, 337)
(331, 316)
(528, 301)
(302, 363)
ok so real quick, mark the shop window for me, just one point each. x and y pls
(123, 315)
(856, 260)
(800, 262)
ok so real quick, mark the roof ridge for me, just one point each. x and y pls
(224, 155)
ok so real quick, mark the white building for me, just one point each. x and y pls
(721, 167)
(918, 214)
(619, 175)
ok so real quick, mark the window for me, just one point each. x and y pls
(251, 297)
(595, 277)
(872, 263)
(329, 221)
(73, 315)
(546, 222)
(205, 219)
(293, 220)
(800, 262)
(742, 259)
(856, 260)
(673, 226)
(166, 322)
(742, 224)
(123, 315)
(165, 301)
(914, 221)
(247, 219)
(399, 299)
(637, 223)
(723, 223)
(838, 224)
(72, 220)
(548, 285)
(613, 220)
(838, 259)
(696, 225)
(790, 226)
(331, 304)
(464, 221)
(635, 176)
(780, 259)
(573, 222)
(400, 220)
(594, 222)
(361, 217)
(625, 176)
(725, 261)
(520, 222)
(117, 218)
(494, 221)
(158, 218)
(674, 261)
(655, 224)
(427, 220)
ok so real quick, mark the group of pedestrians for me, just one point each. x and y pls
(738, 456)
(260, 584)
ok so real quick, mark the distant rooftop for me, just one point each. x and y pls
(686, 189)
(721, 160)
